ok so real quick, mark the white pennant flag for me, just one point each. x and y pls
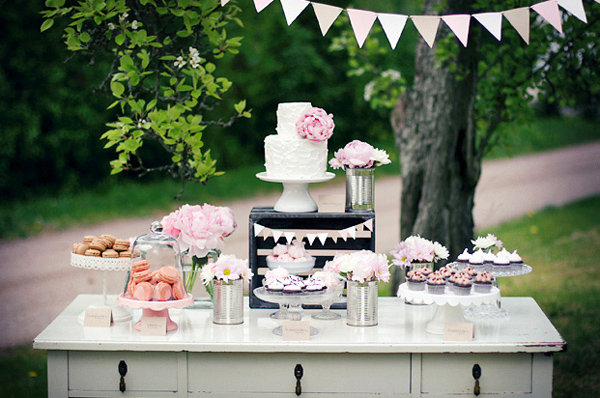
(344, 234)
(293, 8)
(351, 232)
(326, 15)
(223, 2)
(361, 21)
(289, 236)
(369, 224)
(311, 238)
(323, 237)
(519, 19)
(393, 25)
(550, 12)
(266, 233)
(276, 235)
(258, 229)
(427, 25)
(575, 7)
(261, 4)
(492, 21)
(459, 25)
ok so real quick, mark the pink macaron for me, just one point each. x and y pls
(178, 290)
(143, 291)
(162, 291)
(141, 265)
(141, 276)
(169, 275)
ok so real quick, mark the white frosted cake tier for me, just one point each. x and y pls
(295, 158)
(288, 113)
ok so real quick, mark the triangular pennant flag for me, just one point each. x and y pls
(323, 237)
(344, 234)
(427, 25)
(492, 21)
(550, 12)
(459, 25)
(351, 232)
(261, 4)
(334, 239)
(223, 2)
(575, 7)
(393, 25)
(361, 21)
(311, 238)
(300, 236)
(326, 15)
(258, 229)
(519, 19)
(359, 227)
(293, 8)
(277, 235)
(289, 236)
(369, 224)
(266, 233)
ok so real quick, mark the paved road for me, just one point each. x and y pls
(37, 282)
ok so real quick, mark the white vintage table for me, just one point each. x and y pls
(395, 359)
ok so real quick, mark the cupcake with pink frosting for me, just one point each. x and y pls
(436, 283)
(483, 282)
(416, 280)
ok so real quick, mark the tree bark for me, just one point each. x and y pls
(440, 166)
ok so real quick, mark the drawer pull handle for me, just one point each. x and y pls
(122, 372)
(476, 376)
(298, 372)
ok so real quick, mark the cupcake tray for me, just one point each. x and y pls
(511, 270)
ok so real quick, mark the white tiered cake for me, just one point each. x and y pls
(287, 154)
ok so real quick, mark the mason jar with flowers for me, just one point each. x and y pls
(200, 232)
(416, 252)
(362, 270)
(359, 159)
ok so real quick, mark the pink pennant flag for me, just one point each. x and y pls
(519, 19)
(344, 234)
(261, 4)
(289, 236)
(393, 25)
(459, 24)
(257, 229)
(575, 7)
(293, 8)
(223, 2)
(277, 235)
(492, 21)
(326, 15)
(427, 25)
(361, 21)
(323, 237)
(311, 238)
(369, 224)
(550, 12)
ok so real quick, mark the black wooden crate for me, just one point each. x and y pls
(300, 223)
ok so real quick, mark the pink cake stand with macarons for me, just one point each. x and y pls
(152, 309)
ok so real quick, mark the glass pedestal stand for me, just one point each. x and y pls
(156, 309)
(295, 197)
(449, 305)
(119, 314)
(326, 314)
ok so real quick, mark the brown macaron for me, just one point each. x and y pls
(89, 238)
(98, 244)
(121, 245)
(109, 238)
(80, 248)
(125, 254)
(92, 253)
(110, 253)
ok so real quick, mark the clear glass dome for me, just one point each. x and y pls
(156, 272)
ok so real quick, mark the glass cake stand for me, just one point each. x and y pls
(448, 304)
(154, 309)
(295, 197)
(294, 301)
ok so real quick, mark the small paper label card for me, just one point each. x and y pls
(332, 203)
(454, 331)
(99, 317)
(296, 331)
(154, 326)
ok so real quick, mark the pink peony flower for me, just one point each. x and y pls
(228, 268)
(361, 266)
(168, 224)
(316, 125)
(358, 154)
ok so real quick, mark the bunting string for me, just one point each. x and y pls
(427, 25)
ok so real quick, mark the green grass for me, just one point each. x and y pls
(23, 373)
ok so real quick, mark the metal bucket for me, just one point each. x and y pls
(360, 189)
(362, 303)
(228, 302)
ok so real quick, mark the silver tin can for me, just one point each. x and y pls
(228, 302)
(362, 303)
(360, 189)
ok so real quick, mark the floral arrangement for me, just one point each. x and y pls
(415, 249)
(358, 154)
(361, 266)
(316, 125)
(227, 268)
(486, 243)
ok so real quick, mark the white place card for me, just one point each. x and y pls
(454, 331)
(99, 317)
(332, 203)
(154, 326)
(296, 331)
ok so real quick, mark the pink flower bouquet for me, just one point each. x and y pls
(362, 266)
(227, 268)
(358, 154)
(316, 125)
(415, 249)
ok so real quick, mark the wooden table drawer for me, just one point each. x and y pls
(99, 371)
(453, 373)
(322, 373)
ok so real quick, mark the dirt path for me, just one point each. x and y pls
(37, 282)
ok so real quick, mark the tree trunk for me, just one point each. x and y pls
(440, 167)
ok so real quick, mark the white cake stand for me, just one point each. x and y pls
(448, 304)
(295, 197)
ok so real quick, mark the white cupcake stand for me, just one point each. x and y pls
(449, 305)
(295, 197)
